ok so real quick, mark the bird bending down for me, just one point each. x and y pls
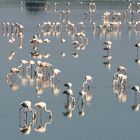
(135, 107)
(70, 97)
(27, 107)
(42, 105)
(136, 89)
(68, 85)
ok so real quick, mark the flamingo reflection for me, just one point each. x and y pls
(136, 104)
(26, 128)
(42, 127)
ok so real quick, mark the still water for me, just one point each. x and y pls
(107, 115)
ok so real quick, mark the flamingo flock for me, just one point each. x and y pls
(40, 74)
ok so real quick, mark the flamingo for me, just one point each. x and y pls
(36, 55)
(135, 107)
(108, 43)
(108, 46)
(68, 85)
(42, 105)
(35, 40)
(121, 69)
(46, 55)
(70, 97)
(13, 71)
(46, 40)
(27, 107)
(68, 92)
(56, 72)
(11, 55)
(137, 45)
(136, 89)
(88, 80)
(22, 62)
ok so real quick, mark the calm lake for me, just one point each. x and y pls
(109, 115)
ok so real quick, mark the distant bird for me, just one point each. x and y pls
(108, 43)
(68, 92)
(107, 57)
(88, 80)
(55, 73)
(36, 55)
(75, 55)
(135, 107)
(63, 40)
(63, 54)
(46, 40)
(13, 72)
(11, 55)
(136, 89)
(22, 62)
(122, 69)
(137, 45)
(108, 46)
(35, 40)
(42, 105)
(46, 55)
(70, 96)
(68, 85)
(137, 61)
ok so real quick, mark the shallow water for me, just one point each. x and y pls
(106, 117)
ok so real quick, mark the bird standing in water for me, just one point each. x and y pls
(88, 80)
(42, 105)
(27, 108)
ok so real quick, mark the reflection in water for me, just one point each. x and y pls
(81, 107)
(25, 125)
(42, 127)
(120, 93)
(43, 75)
(85, 97)
(137, 60)
(42, 123)
(25, 129)
(69, 107)
(107, 57)
(136, 104)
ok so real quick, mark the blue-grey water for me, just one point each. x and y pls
(106, 116)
